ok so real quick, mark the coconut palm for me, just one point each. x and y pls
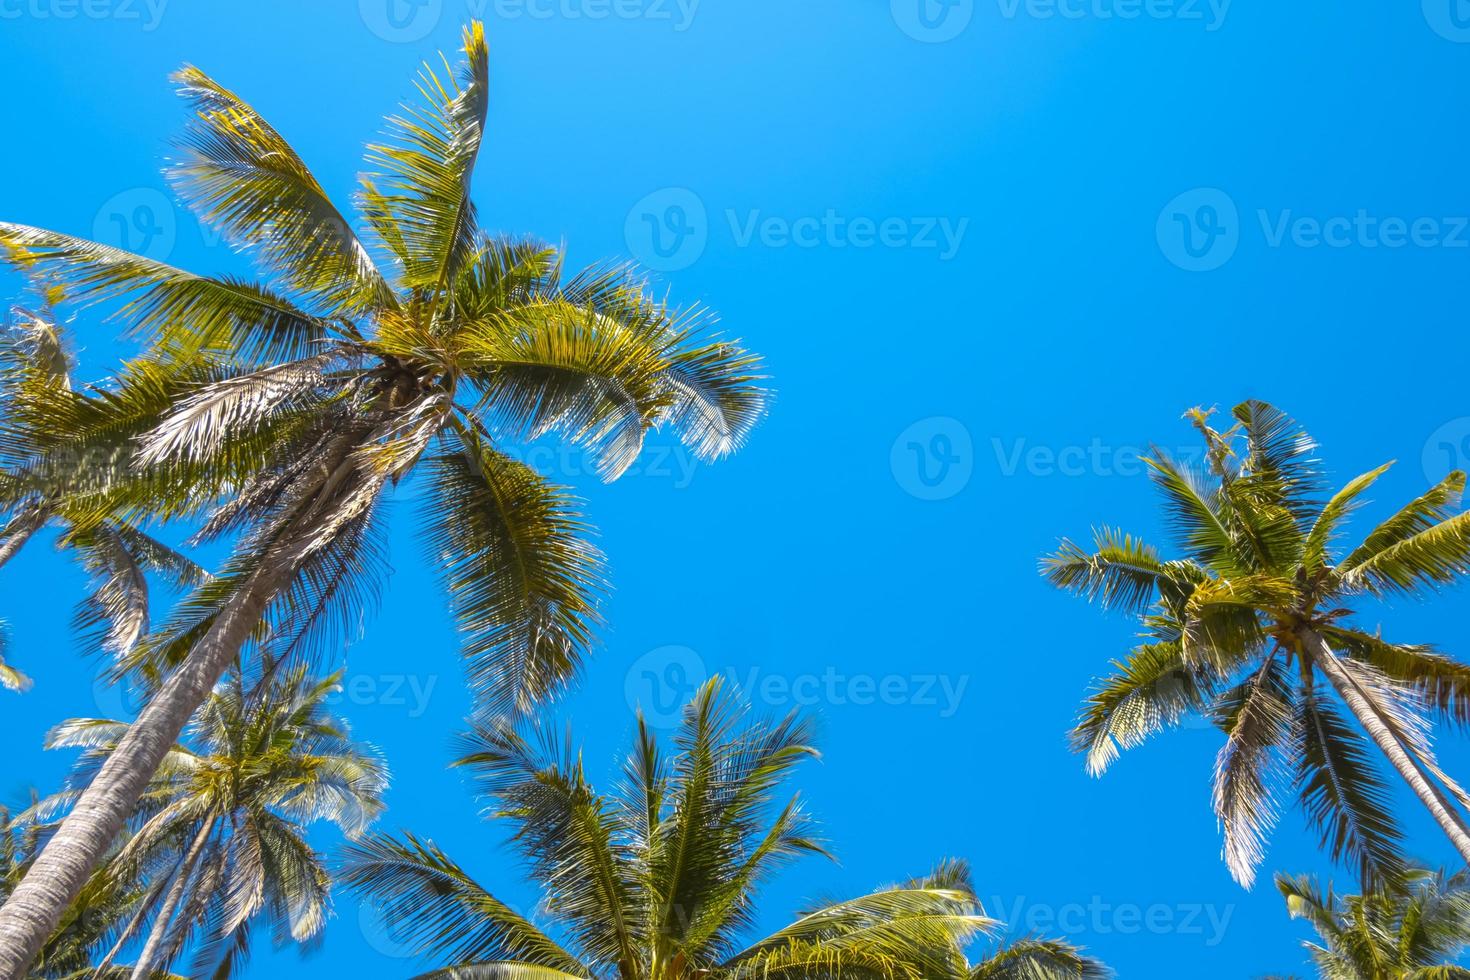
(94, 919)
(1254, 626)
(659, 879)
(279, 414)
(1409, 933)
(219, 837)
(36, 367)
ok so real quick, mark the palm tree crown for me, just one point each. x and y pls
(218, 838)
(659, 880)
(1255, 613)
(276, 415)
(1406, 933)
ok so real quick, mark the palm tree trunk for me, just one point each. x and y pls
(19, 531)
(59, 872)
(37, 903)
(1449, 820)
(166, 912)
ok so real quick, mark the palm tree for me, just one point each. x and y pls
(35, 367)
(219, 836)
(280, 414)
(92, 920)
(659, 880)
(1254, 626)
(1407, 933)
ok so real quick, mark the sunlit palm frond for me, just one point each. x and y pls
(439, 910)
(1256, 717)
(173, 309)
(522, 579)
(240, 174)
(418, 201)
(1150, 690)
(1039, 959)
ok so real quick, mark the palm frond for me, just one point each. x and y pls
(240, 174)
(1256, 717)
(522, 579)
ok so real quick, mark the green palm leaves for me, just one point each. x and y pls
(218, 839)
(1407, 933)
(426, 340)
(659, 878)
(1252, 627)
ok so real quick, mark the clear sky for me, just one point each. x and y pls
(990, 251)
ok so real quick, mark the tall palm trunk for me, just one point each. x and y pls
(62, 868)
(19, 531)
(1444, 813)
(156, 936)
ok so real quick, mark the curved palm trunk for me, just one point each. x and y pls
(19, 531)
(156, 936)
(1449, 819)
(57, 875)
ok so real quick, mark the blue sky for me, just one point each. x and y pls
(990, 250)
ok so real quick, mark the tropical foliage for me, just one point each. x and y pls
(660, 878)
(1413, 932)
(1253, 626)
(276, 415)
(218, 840)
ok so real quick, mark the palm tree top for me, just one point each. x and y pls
(660, 878)
(1255, 611)
(1410, 932)
(420, 338)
